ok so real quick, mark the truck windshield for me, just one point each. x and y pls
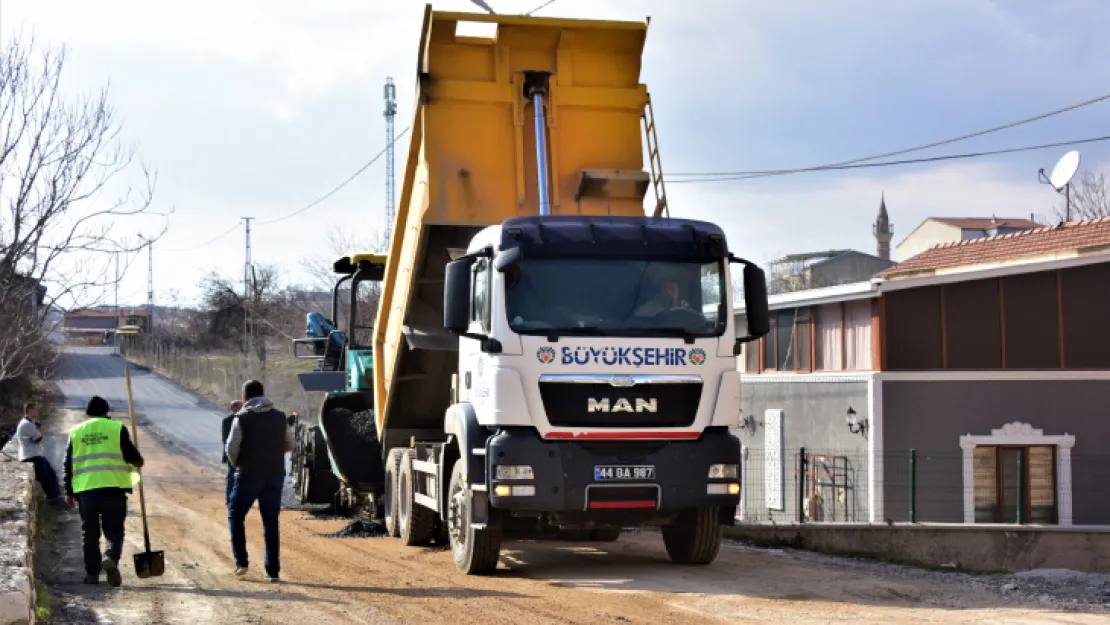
(616, 296)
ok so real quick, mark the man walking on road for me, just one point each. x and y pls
(97, 472)
(31, 449)
(235, 407)
(256, 446)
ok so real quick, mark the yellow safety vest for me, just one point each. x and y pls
(97, 457)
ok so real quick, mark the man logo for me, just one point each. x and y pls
(622, 405)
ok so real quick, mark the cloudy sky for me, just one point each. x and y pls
(250, 107)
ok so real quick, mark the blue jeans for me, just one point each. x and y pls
(230, 484)
(46, 476)
(244, 492)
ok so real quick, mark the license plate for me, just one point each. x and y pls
(614, 472)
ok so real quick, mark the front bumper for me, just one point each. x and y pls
(564, 473)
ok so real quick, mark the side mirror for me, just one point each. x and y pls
(456, 295)
(508, 259)
(755, 301)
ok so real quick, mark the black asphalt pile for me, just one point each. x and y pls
(359, 528)
(362, 423)
(353, 441)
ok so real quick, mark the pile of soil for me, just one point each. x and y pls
(360, 528)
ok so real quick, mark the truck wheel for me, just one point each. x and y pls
(694, 537)
(389, 500)
(415, 523)
(475, 550)
(605, 534)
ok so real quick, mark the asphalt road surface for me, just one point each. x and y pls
(190, 420)
(328, 579)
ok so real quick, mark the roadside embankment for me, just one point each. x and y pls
(17, 538)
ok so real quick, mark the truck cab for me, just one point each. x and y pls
(598, 353)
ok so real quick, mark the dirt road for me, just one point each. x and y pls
(378, 580)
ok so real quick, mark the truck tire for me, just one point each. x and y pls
(605, 534)
(694, 537)
(415, 523)
(389, 500)
(475, 550)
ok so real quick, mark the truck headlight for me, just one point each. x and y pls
(515, 472)
(724, 471)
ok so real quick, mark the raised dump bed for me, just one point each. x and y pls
(472, 163)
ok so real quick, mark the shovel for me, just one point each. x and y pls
(148, 563)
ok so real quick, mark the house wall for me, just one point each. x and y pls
(927, 235)
(851, 267)
(813, 415)
(930, 416)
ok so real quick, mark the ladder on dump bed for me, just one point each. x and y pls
(655, 161)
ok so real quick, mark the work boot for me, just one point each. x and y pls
(273, 579)
(91, 580)
(240, 571)
(111, 569)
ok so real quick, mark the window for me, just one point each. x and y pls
(843, 336)
(616, 297)
(913, 329)
(1031, 304)
(479, 311)
(973, 325)
(1085, 300)
(787, 347)
(1009, 476)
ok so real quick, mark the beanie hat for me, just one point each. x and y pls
(98, 407)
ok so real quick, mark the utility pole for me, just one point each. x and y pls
(390, 94)
(247, 292)
(149, 283)
(116, 305)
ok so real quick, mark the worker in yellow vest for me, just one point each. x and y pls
(97, 473)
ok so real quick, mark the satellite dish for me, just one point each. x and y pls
(1064, 170)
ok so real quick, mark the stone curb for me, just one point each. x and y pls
(17, 539)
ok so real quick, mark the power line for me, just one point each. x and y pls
(913, 149)
(341, 185)
(544, 5)
(948, 157)
(208, 242)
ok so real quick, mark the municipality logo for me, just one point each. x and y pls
(546, 355)
(697, 355)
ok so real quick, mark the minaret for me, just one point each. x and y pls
(883, 230)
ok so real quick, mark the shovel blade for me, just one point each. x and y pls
(150, 564)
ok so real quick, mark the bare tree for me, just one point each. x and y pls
(223, 307)
(63, 187)
(1090, 197)
(790, 276)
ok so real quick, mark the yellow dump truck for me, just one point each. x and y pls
(548, 355)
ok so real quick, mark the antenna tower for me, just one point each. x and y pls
(390, 95)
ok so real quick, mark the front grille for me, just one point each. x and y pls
(568, 404)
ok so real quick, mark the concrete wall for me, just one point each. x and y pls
(813, 415)
(930, 416)
(971, 547)
(926, 235)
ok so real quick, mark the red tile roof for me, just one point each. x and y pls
(982, 223)
(1076, 235)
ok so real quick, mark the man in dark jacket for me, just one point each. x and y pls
(236, 406)
(256, 446)
(97, 472)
